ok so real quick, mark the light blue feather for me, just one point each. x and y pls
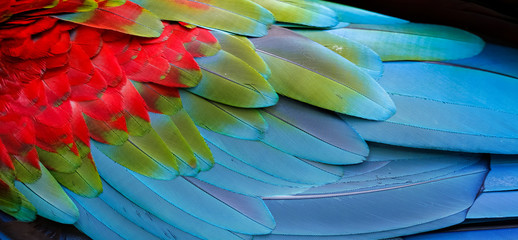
(243, 214)
(425, 226)
(410, 189)
(241, 183)
(270, 160)
(121, 179)
(355, 15)
(412, 41)
(107, 216)
(503, 175)
(250, 170)
(92, 227)
(49, 198)
(495, 205)
(509, 232)
(448, 108)
(141, 217)
(494, 58)
(307, 132)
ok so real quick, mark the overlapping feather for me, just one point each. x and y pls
(281, 153)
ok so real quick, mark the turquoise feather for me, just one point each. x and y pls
(496, 205)
(203, 202)
(310, 133)
(448, 108)
(107, 216)
(232, 163)
(139, 216)
(309, 72)
(278, 163)
(123, 181)
(362, 56)
(234, 181)
(92, 227)
(494, 58)
(447, 187)
(49, 198)
(359, 16)
(412, 41)
(503, 175)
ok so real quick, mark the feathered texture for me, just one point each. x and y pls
(171, 119)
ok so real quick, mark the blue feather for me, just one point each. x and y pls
(307, 132)
(141, 217)
(480, 234)
(95, 208)
(219, 207)
(494, 58)
(92, 227)
(503, 175)
(495, 205)
(231, 180)
(121, 179)
(447, 108)
(352, 206)
(271, 160)
(228, 161)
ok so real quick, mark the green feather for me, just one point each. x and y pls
(85, 181)
(413, 41)
(359, 54)
(10, 197)
(228, 79)
(237, 16)
(176, 143)
(309, 72)
(158, 101)
(63, 160)
(128, 18)
(49, 198)
(26, 212)
(300, 12)
(231, 121)
(242, 48)
(147, 155)
(114, 3)
(105, 131)
(136, 125)
(24, 171)
(190, 132)
(88, 5)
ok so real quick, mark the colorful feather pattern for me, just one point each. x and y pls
(171, 119)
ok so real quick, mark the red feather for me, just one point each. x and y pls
(151, 93)
(89, 39)
(54, 129)
(134, 105)
(25, 30)
(18, 136)
(106, 108)
(79, 128)
(194, 38)
(5, 159)
(124, 47)
(57, 88)
(99, 129)
(108, 66)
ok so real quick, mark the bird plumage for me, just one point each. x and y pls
(200, 119)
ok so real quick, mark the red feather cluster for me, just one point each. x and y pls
(62, 83)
